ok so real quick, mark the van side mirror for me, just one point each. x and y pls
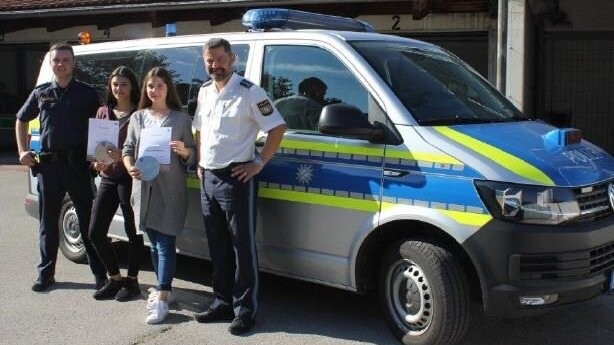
(347, 120)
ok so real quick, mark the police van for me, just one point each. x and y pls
(418, 180)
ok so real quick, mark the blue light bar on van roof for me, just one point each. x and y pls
(265, 19)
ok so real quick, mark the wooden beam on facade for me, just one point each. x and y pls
(220, 15)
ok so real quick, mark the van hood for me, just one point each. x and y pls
(523, 154)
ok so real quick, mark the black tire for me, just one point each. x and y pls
(424, 293)
(71, 243)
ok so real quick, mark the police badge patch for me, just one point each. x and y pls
(265, 108)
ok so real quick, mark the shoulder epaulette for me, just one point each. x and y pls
(246, 83)
(43, 85)
(207, 83)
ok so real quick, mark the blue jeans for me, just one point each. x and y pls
(163, 257)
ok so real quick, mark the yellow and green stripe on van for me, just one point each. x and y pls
(507, 161)
(365, 205)
(368, 151)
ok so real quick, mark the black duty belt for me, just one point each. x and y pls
(70, 157)
(225, 170)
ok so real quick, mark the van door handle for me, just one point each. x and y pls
(395, 173)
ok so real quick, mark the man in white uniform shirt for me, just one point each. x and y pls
(230, 112)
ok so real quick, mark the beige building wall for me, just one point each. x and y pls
(519, 69)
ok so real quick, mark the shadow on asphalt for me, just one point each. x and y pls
(296, 307)
(284, 304)
(60, 285)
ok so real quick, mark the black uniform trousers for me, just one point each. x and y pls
(54, 180)
(111, 193)
(229, 213)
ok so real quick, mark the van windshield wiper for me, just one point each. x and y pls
(456, 120)
(486, 108)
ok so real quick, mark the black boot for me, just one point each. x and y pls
(129, 290)
(109, 289)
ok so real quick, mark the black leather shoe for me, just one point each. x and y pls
(41, 285)
(215, 315)
(240, 326)
(109, 289)
(130, 290)
(100, 281)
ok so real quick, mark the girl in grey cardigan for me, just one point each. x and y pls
(164, 199)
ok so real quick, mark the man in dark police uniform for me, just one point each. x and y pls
(63, 107)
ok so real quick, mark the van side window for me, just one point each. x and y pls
(180, 63)
(301, 80)
(95, 69)
(200, 75)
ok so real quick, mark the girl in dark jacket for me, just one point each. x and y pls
(114, 190)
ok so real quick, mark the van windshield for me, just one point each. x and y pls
(436, 87)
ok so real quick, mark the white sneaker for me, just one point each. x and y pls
(156, 312)
(153, 296)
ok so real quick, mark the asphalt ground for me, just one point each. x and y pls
(291, 312)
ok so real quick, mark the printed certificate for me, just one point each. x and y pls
(101, 132)
(156, 142)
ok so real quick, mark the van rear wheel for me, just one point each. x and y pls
(71, 243)
(424, 293)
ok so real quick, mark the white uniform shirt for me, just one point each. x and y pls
(229, 121)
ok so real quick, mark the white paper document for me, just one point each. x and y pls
(156, 142)
(101, 131)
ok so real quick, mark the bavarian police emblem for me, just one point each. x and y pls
(265, 108)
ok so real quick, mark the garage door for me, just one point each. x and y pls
(578, 85)
(472, 47)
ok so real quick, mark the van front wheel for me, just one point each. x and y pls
(424, 293)
(71, 243)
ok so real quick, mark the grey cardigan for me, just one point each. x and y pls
(164, 199)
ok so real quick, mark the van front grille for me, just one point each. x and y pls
(567, 265)
(594, 204)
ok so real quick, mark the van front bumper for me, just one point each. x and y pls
(571, 262)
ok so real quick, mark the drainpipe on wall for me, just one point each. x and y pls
(502, 45)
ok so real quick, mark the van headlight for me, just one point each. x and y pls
(528, 203)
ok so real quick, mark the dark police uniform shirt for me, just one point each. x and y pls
(64, 114)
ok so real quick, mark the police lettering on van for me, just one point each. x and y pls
(421, 181)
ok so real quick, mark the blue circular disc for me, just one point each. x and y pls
(149, 167)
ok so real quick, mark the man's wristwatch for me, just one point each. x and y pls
(258, 161)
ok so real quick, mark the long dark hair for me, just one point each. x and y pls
(172, 99)
(123, 71)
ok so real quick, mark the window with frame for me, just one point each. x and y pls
(241, 52)
(180, 62)
(301, 80)
(95, 69)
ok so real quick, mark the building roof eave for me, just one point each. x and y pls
(160, 6)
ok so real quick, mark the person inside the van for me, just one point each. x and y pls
(302, 110)
(230, 112)
(163, 198)
(114, 190)
(63, 107)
